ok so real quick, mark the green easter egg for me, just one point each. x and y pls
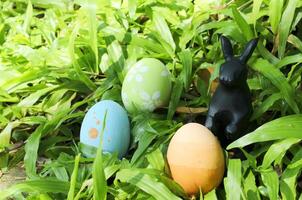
(147, 86)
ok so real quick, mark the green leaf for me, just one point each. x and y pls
(34, 97)
(250, 187)
(132, 5)
(147, 44)
(74, 178)
(297, 58)
(3, 29)
(115, 53)
(34, 186)
(285, 25)
(186, 60)
(176, 93)
(93, 40)
(250, 158)
(275, 11)
(60, 173)
(288, 179)
(143, 144)
(295, 41)
(277, 150)
(81, 75)
(98, 174)
(281, 128)
(266, 54)
(256, 9)
(242, 24)
(29, 75)
(271, 182)
(5, 137)
(111, 170)
(214, 25)
(188, 33)
(156, 159)
(211, 195)
(162, 29)
(28, 17)
(279, 81)
(31, 151)
(147, 183)
(265, 105)
(233, 181)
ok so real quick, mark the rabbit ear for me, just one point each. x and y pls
(226, 47)
(248, 51)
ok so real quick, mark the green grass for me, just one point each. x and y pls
(58, 58)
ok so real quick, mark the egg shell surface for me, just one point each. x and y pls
(196, 159)
(147, 86)
(116, 137)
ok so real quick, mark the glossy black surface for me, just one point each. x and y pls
(231, 105)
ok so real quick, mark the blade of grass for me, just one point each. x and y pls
(295, 41)
(28, 17)
(147, 183)
(116, 55)
(275, 12)
(132, 5)
(83, 77)
(277, 150)
(211, 195)
(34, 186)
(281, 128)
(271, 182)
(177, 90)
(5, 136)
(242, 24)
(266, 54)
(186, 73)
(147, 44)
(60, 172)
(285, 25)
(31, 151)
(233, 180)
(265, 105)
(74, 176)
(297, 58)
(143, 144)
(250, 187)
(93, 40)
(288, 179)
(35, 96)
(29, 75)
(162, 29)
(156, 159)
(279, 80)
(255, 10)
(98, 174)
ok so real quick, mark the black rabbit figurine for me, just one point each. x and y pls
(231, 105)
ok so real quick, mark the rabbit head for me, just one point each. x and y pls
(233, 71)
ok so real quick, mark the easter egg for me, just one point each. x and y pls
(147, 86)
(196, 159)
(116, 135)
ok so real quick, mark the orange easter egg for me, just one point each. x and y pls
(196, 159)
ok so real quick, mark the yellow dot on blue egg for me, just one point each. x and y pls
(93, 133)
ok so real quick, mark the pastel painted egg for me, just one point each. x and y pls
(196, 159)
(147, 86)
(116, 137)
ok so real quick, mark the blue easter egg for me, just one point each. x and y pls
(116, 137)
